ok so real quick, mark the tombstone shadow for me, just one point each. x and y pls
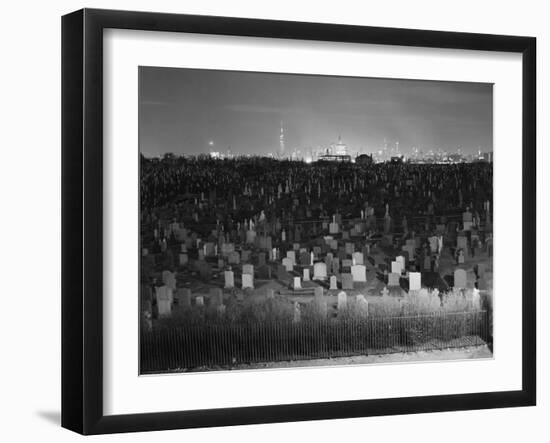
(381, 277)
(450, 280)
(433, 280)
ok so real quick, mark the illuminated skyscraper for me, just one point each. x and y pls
(282, 141)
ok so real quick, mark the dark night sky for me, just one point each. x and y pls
(182, 110)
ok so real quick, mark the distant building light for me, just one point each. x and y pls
(335, 158)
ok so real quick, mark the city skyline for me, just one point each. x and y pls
(190, 111)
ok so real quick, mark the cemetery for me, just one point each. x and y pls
(290, 261)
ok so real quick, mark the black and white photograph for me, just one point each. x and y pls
(242, 222)
(292, 220)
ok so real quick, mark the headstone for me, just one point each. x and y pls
(184, 259)
(362, 305)
(359, 273)
(306, 275)
(359, 228)
(216, 297)
(229, 279)
(199, 300)
(169, 279)
(305, 258)
(297, 283)
(245, 255)
(334, 244)
(248, 281)
(366, 251)
(427, 266)
(396, 267)
(476, 299)
(349, 248)
(433, 240)
(462, 242)
(233, 258)
(342, 253)
(319, 271)
(320, 304)
(296, 246)
(409, 248)
(415, 279)
(183, 296)
(460, 279)
(248, 269)
(335, 266)
(288, 264)
(347, 281)
(333, 228)
(205, 270)
(292, 256)
(262, 242)
(333, 282)
(164, 301)
(297, 314)
(401, 259)
(342, 300)
(227, 248)
(209, 249)
(250, 236)
(393, 279)
(347, 263)
(358, 258)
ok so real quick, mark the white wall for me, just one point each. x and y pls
(30, 217)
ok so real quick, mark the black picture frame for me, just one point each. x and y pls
(82, 218)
